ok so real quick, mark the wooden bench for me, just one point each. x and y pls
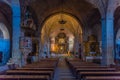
(94, 69)
(24, 72)
(24, 77)
(36, 69)
(41, 64)
(102, 78)
(102, 73)
(80, 64)
(79, 67)
(73, 67)
(77, 71)
(91, 67)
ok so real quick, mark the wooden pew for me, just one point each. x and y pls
(83, 64)
(91, 66)
(78, 64)
(102, 78)
(82, 69)
(74, 66)
(24, 72)
(93, 70)
(102, 73)
(24, 77)
(42, 65)
(36, 69)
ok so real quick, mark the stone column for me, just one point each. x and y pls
(40, 49)
(48, 49)
(16, 54)
(107, 41)
(82, 47)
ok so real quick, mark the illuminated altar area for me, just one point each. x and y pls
(61, 34)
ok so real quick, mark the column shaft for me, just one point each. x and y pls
(16, 55)
(107, 41)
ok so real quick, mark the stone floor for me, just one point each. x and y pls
(63, 71)
(3, 69)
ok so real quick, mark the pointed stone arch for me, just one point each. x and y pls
(6, 32)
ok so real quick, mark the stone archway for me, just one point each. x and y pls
(15, 23)
(5, 32)
(116, 34)
(52, 27)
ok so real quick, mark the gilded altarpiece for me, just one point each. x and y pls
(61, 41)
(91, 47)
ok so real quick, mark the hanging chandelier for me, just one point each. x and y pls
(62, 21)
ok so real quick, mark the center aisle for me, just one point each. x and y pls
(62, 71)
